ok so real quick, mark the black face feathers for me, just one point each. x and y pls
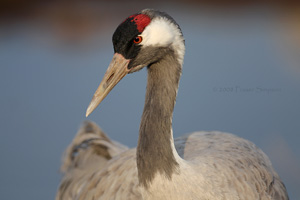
(123, 39)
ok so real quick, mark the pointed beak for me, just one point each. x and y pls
(116, 70)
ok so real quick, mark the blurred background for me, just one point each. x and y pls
(241, 75)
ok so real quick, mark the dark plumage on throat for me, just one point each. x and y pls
(126, 32)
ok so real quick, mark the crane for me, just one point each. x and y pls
(200, 165)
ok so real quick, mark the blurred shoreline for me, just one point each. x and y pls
(76, 21)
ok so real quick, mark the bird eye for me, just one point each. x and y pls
(138, 39)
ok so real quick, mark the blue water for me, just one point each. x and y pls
(235, 79)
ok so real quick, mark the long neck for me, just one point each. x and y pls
(155, 150)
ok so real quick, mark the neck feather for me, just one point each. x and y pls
(155, 151)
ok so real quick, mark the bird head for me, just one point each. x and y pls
(140, 40)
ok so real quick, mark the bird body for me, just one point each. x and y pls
(208, 170)
(200, 165)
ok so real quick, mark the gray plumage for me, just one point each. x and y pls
(200, 165)
(237, 160)
(89, 151)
